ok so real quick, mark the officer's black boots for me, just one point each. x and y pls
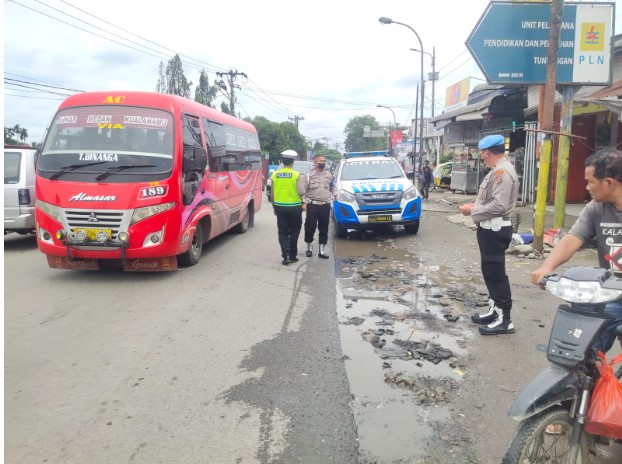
(487, 317)
(322, 252)
(503, 325)
(309, 250)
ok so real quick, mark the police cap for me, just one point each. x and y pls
(291, 154)
(491, 141)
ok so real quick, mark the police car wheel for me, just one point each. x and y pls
(412, 228)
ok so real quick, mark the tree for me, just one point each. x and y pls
(204, 93)
(276, 137)
(354, 134)
(176, 82)
(225, 108)
(15, 135)
(161, 84)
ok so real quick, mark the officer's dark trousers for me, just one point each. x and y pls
(289, 223)
(492, 246)
(317, 215)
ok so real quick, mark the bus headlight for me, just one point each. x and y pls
(123, 236)
(148, 211)
(53, 211)
(80, 236)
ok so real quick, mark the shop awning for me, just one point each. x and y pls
(473, 116)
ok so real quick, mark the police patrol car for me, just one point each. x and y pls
(372, 189)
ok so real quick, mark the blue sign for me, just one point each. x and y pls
(511, 40)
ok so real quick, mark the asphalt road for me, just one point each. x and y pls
(235, 360)
(242, 360)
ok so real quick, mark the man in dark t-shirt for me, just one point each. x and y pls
(600, 219)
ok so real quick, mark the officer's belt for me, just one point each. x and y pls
(495, 223)
(316, 202)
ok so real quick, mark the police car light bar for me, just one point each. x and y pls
(356, 154)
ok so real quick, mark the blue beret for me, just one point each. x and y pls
(491, 141)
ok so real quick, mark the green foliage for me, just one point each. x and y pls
(172, 80)
(204, 93)
(354, 134)
(15, 135)
(275, 137)
(446, 158)
(225, 108)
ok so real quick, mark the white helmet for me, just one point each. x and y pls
(289, 154)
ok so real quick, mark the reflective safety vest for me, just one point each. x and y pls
(284, 189)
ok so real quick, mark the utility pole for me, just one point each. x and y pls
(547, 125)
(231, 75)
(296, 119)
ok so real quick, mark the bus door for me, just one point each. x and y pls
(217, 182)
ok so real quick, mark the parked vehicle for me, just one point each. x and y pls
(372, 189)
(553, 407)
(303, 167)
(442, 175)
(19, 189)
(144, 179)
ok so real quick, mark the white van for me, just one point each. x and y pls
(19, 189)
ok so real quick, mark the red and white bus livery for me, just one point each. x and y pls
(144, 179)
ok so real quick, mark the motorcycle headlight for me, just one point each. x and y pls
(148, 211)
(346, 197)
(581, 292)
(410, 193)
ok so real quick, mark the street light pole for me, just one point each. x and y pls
(433, 77)
(394, 124)
(384, 20)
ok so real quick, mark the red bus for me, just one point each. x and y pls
(143, 179)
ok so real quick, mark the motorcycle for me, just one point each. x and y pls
(552, 409)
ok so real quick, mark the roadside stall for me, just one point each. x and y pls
(465, 174)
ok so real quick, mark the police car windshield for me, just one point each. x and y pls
(371, 169)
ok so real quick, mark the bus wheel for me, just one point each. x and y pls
(242, 227)
(192, 256)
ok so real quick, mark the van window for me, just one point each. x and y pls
(11, 166)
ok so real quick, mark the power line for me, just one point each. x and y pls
(142, 38)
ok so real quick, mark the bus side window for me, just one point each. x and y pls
(192, 140)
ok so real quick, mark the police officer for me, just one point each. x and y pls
(288, 187)
(319, 193)
(491, 212)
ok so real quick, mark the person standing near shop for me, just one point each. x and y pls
(426, 179)
(319, 193)
(491, 212)
(288, 187)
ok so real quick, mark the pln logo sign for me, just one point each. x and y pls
(593, 35)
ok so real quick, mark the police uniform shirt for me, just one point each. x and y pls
(603, 221)
(498, 192)
(319, 186)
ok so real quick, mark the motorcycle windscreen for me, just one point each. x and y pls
(573, 333)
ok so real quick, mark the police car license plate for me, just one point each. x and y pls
(91, 234)
(380, 218)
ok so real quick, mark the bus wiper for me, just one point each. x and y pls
(73, 167)
(123, 167)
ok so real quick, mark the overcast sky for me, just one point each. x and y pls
(323, 60)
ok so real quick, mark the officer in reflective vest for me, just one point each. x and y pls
(288, 187)
(491, 212)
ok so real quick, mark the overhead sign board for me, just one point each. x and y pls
(457, 94)
(511, 40)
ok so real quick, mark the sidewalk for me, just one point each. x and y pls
(441, 201)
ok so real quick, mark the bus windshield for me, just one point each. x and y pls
(118, 143)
